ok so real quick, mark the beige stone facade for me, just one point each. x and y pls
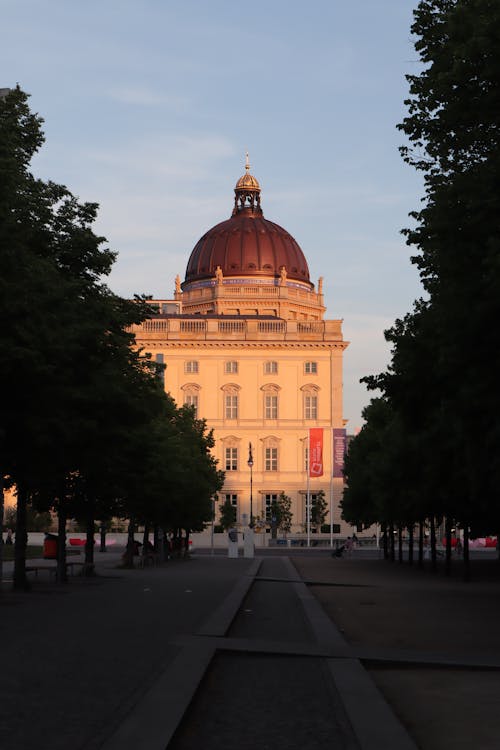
(244, 339)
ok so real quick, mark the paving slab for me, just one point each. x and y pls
(429, 642)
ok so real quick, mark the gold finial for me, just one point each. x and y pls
(247, 162)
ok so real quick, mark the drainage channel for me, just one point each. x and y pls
(267, 700)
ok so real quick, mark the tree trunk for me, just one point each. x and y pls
(400, 544)
(466, 552)
(392, 546)
(385, 543)
(20, 582)
(433, 545)
(156, 538)
(186, 549)
(102, 540)
(165, 546)
(89, 544)
(61, 570)
(421, 544)
(447, 566)
(128, 557)
(411, 530)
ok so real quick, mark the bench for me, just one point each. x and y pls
(70, 567)
(35, 568)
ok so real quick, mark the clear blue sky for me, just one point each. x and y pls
(150, 106)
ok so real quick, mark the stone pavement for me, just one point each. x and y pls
(430, 643)
(211, 652)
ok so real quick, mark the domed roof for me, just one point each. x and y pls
(247, 182)
(247, 244)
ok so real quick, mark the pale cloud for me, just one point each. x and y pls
(147, 97)
(176, 156)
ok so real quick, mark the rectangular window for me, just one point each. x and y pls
(312, 503)
(231, 407)
(233, 499)
(231, 459)
(191, 366)
(270, 368)
(271, 407)
(268, 501)
(310, 368)
(231, 368)
(271, 462)
(191, 399)
(310, 407)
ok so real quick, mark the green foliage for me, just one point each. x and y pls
(279, 515)
(85, 427)
(319, 509)
(431, 445)
(227, 515)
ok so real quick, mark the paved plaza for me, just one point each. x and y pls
(303, 650)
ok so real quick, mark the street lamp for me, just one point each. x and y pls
(250, 466)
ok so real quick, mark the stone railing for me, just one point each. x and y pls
(246, 329)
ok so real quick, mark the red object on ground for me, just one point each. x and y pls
(453, 542)
(77, 542)
(50, 549)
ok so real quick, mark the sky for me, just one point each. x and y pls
(149, 108)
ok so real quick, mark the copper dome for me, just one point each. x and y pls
(247, 244)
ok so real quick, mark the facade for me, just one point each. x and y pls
(244, 340)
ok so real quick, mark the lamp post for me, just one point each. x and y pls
(250, 466)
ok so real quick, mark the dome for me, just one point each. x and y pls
(247, 182)
(247, 244)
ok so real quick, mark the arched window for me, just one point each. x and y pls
(231, 453)
(271, 392)
(271, 453)
(231, 401)
(191, 395)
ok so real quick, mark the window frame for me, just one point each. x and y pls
(310, 405)
(270, 405)
(231, 458)
(311, 367)
(271, 367)
(231, 404)
(271, 458)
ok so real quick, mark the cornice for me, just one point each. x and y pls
(194, 344)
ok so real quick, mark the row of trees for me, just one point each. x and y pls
(430, 448)
(86, 429)
(278, 516)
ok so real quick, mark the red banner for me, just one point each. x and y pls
(316, 452)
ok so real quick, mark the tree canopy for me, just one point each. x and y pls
(440, 390)
(85, 426)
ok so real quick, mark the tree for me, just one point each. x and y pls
(454, 131)
(319, 509)
(227, 514)
(64, 350)
(285, 515)
(440, 392)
